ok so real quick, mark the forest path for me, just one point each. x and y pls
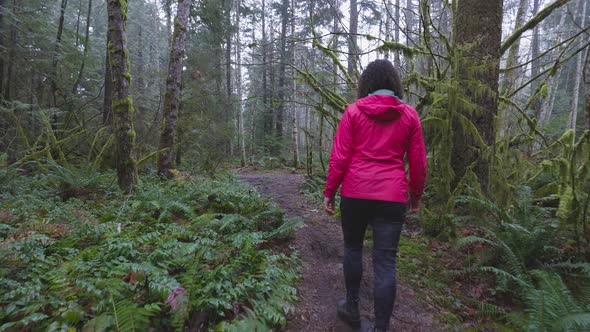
(319, 242)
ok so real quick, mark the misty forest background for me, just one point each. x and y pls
(123, 124)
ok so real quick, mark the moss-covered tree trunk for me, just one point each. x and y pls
(122, 101)
(107, 106)
(478, 32)
(587, 90)
(172, 96)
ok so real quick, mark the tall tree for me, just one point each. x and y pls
(352, 38)
(282, 74)
(107, 106)
(228, 47)
(511, 61)
(579, 68)
(397, 28)
(536, 62)
(240, 110)
(554, 79)
(172, 96)
(57, 50)
(122, 101)
(86, 46)
(11, 52)
(587, 90)
(2, 46)
(478, 33)
(510, 77)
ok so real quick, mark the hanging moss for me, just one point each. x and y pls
(407, 51)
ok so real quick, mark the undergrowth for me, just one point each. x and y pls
(189, 254)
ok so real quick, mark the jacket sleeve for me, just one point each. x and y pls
(416, 160)
(341, 155)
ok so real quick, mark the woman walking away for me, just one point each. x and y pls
(375, 134)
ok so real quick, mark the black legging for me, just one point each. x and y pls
(386, 219)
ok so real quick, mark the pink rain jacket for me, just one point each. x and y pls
(374, 135)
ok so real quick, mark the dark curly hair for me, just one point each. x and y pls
(379, 74)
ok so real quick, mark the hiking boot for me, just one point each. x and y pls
(374, 329)
(348, 311)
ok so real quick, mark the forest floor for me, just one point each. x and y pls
(320, 245)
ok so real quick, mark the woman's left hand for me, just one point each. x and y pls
(329, 205)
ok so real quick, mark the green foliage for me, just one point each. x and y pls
(520, 240)
(552, 306)
(523, 238)
(119, 264)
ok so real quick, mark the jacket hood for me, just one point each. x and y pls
(381, 107)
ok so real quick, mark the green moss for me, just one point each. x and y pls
(127, 76)
(123, 105)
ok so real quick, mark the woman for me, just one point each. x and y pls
(374, 135)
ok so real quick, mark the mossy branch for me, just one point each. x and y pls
(531, 24)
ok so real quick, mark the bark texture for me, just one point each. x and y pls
(579, 65)
(282, 77)
(587, 90)
(240, 114)
(478, 32)
(352, 42)
(122, 101)
(172, 96)
(107, 106)
(535, 63)
(2, 9)
(57, 50)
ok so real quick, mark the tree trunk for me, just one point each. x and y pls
(229, 109)
(510, 78)
(352, 34)
(172, 96)
(240, 117)
(511, 61)
(86, 41)
(579, 63)
(11, 54)
(2, 47)
(409, 22)
(535, 63)
(478, 33)
(107, 106)
(552, 80)
(78, 25)
(122, 101)
(387, 13)
(282, 77)
(396, 57)
(587, 90)
(140, 82)
(57, 50)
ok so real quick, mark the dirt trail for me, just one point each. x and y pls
(320, 244)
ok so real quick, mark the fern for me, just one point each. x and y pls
(130, 317)
(551, 306)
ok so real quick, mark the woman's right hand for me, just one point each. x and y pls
(413, 206)
(329, 205)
